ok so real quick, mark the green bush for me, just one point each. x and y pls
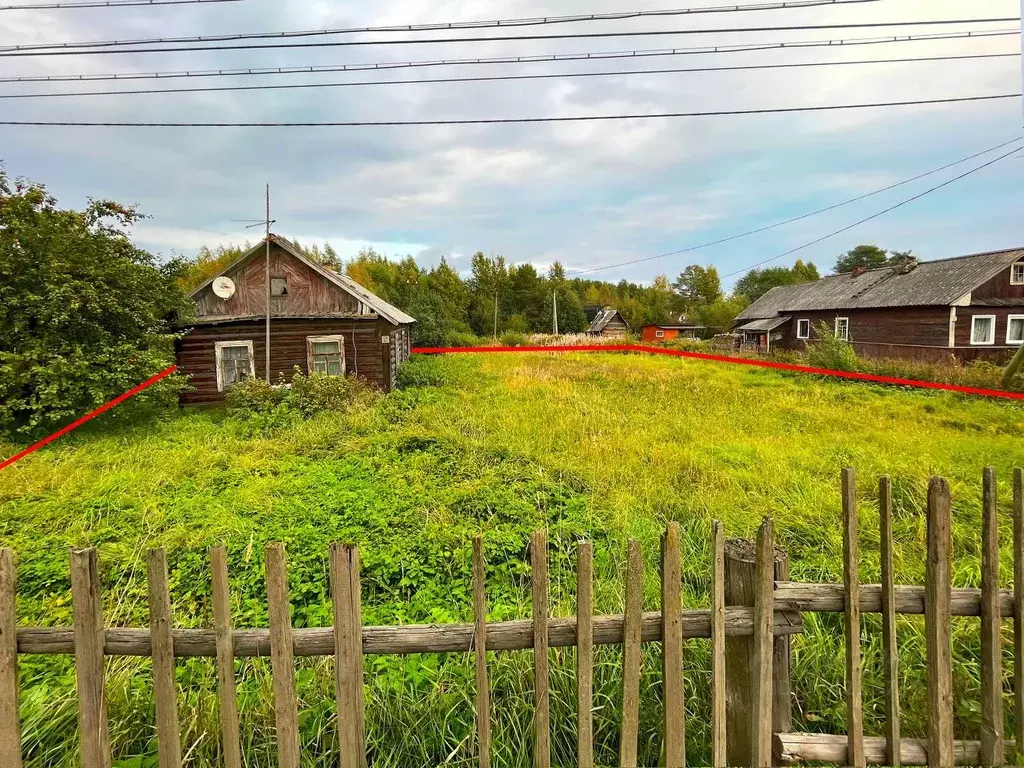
(463, 339)
(304, 395)
(514, 339)
(831, 352)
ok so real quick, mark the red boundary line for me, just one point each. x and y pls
(738, 361)
(102, 409)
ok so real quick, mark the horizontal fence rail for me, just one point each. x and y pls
(755, 610)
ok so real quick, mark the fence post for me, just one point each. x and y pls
(739, 656)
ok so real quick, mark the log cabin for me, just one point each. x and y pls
(606, 321)
(968, 307)
(320, 321)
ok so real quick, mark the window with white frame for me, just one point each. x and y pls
(983, 329)
(1017, 273)
(843, 328)
(235, 362)
(803, 329)
(1015, 329)
(660, 334)
(326, 354)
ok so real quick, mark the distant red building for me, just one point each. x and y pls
(667, 332)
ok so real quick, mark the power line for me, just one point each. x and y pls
(437, 26)
(530, 59)
(64, 49)
(502, 78)
(881, 213)
(501, 120)
(795, 219)
(105, 4)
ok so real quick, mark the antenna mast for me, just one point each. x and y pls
(268, 284)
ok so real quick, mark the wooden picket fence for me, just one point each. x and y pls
(754, 610)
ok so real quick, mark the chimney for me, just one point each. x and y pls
(858, 271)
(908, 265)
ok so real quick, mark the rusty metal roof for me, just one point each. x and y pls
(932, 283)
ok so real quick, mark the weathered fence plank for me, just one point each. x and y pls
(890, 650)
(541, 715)
(793, 748)
(628, 741)
(286, 707)
(585, 654)
(93, 728)
(672, 648)
(764, 593)
(992, 750)
(937, 622)
(483, 706)
(229, 733)
(851, 584)
(909, 600)
(1018, 603)
(10, 724)
(164, 689)
(718, 716)
(346, 597)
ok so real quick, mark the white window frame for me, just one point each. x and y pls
(659, 334)
(311, 340)
(845, 336)
(218, 351)
(1014, 280)
(1009, 325)
(992, 336)
(807, 334)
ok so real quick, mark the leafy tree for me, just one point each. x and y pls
(698, 285)
(757, 282)
(85, 312)
(866, 256)
(719, 316)
(208, 264)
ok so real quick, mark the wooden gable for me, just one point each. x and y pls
(308, 292)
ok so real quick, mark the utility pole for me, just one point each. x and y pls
(495, 313)
(268, 284)
(554, 301)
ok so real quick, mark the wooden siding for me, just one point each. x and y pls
(964, 323)
(999, 287)
(309, 293)
(365, 355)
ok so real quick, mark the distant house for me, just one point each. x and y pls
(668, 332)
(320, 321)
(606, 321)
(970, 307)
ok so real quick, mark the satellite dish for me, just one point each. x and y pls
(224, 287)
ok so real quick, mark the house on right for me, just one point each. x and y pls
(969, 307)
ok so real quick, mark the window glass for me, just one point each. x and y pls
(1015, 332)
(983, 330)
(1018, 273)
(803, 329)
(235, 364)
(327, 357)
(843, 328)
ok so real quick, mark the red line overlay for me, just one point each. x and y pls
(735, 360)
(89, 416)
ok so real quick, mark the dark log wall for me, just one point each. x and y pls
(365, 355)
(616, 327)
(913, 326)
(309, 293)
(964, 323)
(999, 287)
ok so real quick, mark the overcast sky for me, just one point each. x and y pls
(587, 194)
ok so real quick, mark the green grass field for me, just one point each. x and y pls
(599, 446)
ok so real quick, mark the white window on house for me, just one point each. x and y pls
(1015, 329)
(803, 329)
(983, 329)
(235, 362)
(1017, 274)
(660, 334)
(326, 354)
(843, 328)
(279, 286)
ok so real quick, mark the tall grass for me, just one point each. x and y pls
(599, 446)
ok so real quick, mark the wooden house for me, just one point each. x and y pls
(669, 332)
(606, 321)
(320, 321)
(969, 307)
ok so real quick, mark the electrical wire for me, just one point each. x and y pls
(500, 120)
(801, 217)
(502, 78)
(874, 216)
(455, 25)
(530, 59)
(65, 49)
(105, 4)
